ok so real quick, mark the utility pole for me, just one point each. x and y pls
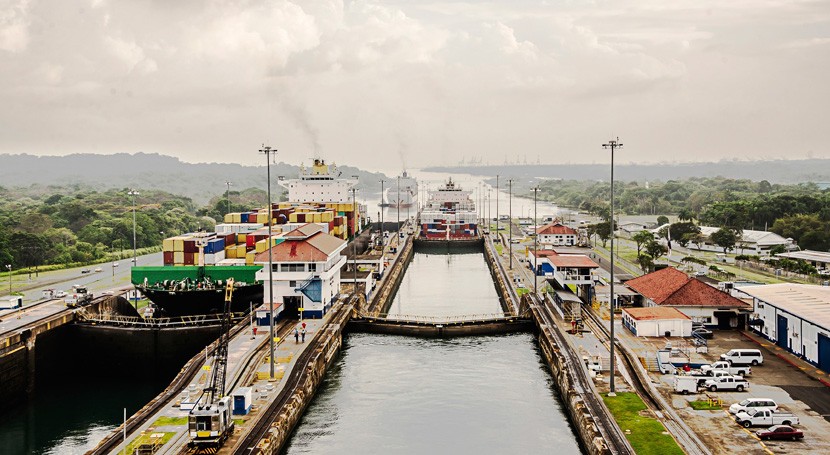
(535, 242)
(134, 193)
(382, 208)
(228, 197)
(510, 221)
(489, 212)
(398, 209)
(268, 151)
(613, 144)
(354, 254)
(497, 206)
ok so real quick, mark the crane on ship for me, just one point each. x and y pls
(209, 422)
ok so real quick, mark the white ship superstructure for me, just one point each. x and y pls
(320, 184)
(449, 213)
(404, 190)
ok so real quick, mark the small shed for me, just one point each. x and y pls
(657, 322)
(242, 400)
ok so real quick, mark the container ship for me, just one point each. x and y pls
(196, 265)
(449, 214)
(404, 191)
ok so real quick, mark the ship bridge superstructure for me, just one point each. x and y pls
(321, 183)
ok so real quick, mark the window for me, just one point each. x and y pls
(292, 284)
(312, 267)
(293, 267)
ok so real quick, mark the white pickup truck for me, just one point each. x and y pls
(765, 417)
(724, 366)
(736, 383)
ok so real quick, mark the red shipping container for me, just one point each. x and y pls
(230, 239)
(250, 241)
(188, 259)
(168, 257)
(190, 246)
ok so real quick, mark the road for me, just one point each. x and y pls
(109, 277)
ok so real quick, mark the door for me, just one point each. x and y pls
(824, 352)
(781, 333)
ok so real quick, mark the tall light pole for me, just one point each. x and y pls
(613, 144)
(497, 205)
(134, 193)
(9, 267)
(382, 239)
(354, 254)
(510, 221)
(268, 151)
(228, 197)
(535, 242)
(398, 209)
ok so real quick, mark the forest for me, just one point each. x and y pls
(72, 225)
(800, 212)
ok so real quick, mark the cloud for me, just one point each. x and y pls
(14, 26)
(131, 54)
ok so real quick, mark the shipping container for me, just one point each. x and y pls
(178, 257)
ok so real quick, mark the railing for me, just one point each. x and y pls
(135, 321)
(442, 319)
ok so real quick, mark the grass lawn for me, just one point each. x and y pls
(646, 434)
(522, 291)
(703, 406)
(499, 248)
(146, 438)
(162, 421)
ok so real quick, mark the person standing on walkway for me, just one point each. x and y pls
(303, 334)
(296, 335)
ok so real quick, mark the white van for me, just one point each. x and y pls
(743, 357)
(750, 404)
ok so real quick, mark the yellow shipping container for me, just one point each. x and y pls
(178, 257)
(327, 216)
(261, 246)
(196, 259)
(167, 244)
(178, 244)
(240, 238)
(236, 218)
(249, 257)
(229, 218)
(292, 218)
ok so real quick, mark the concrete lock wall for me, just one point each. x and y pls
(382, 300)
(330, 343)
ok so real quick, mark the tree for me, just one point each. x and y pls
(724, 238)
(662, 219)
(646, 263)
(603, 230)
(641, 238)
(685, 214)
(696, 238)
(654, 249)
(680, 232)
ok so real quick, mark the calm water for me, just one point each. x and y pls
(446, 285)
(482, 395)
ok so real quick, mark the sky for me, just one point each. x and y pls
(414, 83)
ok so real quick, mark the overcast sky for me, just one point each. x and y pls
(380, 84)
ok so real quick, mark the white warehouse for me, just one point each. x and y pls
(796, 317)
(657, 322)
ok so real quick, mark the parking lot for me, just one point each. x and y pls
(777, 379)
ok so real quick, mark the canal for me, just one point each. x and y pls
(392, 394)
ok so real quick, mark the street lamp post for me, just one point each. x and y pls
(268, 151)
(510, 221)
(613, 144)
(398, 208)
(535, 242)
(9, 268)
(497, 206)
(134, 193)
(228, 197)
(354, 254)
(382, 209)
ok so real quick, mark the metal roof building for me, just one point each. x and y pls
(796, 317)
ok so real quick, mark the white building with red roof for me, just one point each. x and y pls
(557, 234)
(306, 271)
(670, 287)
(657, 322)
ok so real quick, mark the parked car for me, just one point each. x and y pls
(722, 365)
(762, 417)
(735, 383)
(753, 403)
(60, 294)
(85, 270)
(703, 333)
(780, 432)
(98, 269)
(743, 357)
(115, 264)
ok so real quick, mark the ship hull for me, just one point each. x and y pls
(202, 301)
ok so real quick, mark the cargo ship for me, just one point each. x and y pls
(196, 265)
(194, 290)
(449, 214)
(403, 193)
